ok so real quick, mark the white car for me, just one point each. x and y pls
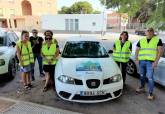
(8, 41)
(86, 73)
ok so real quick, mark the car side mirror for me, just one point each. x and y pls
(13, 44)
(110, 51)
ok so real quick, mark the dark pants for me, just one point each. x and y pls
(123, 67)
(39, 59)
(51, 70)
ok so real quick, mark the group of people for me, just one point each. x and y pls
(44, 50)
(148, 52)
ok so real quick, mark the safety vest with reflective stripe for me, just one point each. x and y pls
(147, 50)
(49, 53)
(26, 53)
(122, 54)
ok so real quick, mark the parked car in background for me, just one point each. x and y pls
(142, 32)
(8, 41)
(133, 68)
(86, 73)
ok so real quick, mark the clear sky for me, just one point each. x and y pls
(95, 3)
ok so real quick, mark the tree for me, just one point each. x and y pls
(65, 10)
(82, 7)
(96, 12)
(146, 11)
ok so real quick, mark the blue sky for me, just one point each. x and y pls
(95, 3)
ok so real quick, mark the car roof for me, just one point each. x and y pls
(83, 38)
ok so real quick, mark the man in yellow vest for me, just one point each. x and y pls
(148, 52)
(50, 52)
(121, 52)
(25, 57)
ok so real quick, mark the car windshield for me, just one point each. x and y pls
(1, 41)
(80, 49)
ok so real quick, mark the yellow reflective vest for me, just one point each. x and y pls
(148, 51)
(26, 53)
(122, 54)
(49, 53)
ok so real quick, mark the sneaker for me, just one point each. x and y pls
(140, 89)
(45, 89)
(150, 97)
(26, 87)
(30, 85)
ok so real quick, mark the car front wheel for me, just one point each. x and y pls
(12, 68)
(131, 68)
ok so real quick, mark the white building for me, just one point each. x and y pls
(74, 23)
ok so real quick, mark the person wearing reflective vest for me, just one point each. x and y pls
(148, 53)
(121, 52)
(25, 57)
(50, 53)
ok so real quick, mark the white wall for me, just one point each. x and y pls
(57, 22)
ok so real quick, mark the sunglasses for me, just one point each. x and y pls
(48, 38)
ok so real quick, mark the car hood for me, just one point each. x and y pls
(85, 67)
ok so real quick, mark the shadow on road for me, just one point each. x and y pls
(4, 80)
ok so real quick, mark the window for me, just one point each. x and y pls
(80, 49)
(15, 23)
(12, 12)
(1, 12)
(49, 4)
(76, 24)
(67, 24)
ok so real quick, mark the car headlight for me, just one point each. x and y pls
(113, 79)
(2, 62)
(66, 79)
(116, 78)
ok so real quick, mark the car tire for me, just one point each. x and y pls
(12, 68)
(131, 68)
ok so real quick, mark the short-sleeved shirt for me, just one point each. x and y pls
(122, 44)
(148, 40)
(36, 47)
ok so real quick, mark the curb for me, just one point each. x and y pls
(59, 111)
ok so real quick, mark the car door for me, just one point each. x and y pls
(160, 70)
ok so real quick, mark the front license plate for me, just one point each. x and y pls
(92, 93)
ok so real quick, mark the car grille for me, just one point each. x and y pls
(78, 82)
(98, 97)
(93, 83)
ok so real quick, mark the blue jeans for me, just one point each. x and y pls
(39, 58)
(146, 70)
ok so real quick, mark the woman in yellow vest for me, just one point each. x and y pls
(50, 53)
(121, 52)
(25, 57)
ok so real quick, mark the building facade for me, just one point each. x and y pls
(25, 14)
(74, 23)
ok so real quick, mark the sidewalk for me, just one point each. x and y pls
(10, 106)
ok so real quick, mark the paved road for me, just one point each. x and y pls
(128, 103)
